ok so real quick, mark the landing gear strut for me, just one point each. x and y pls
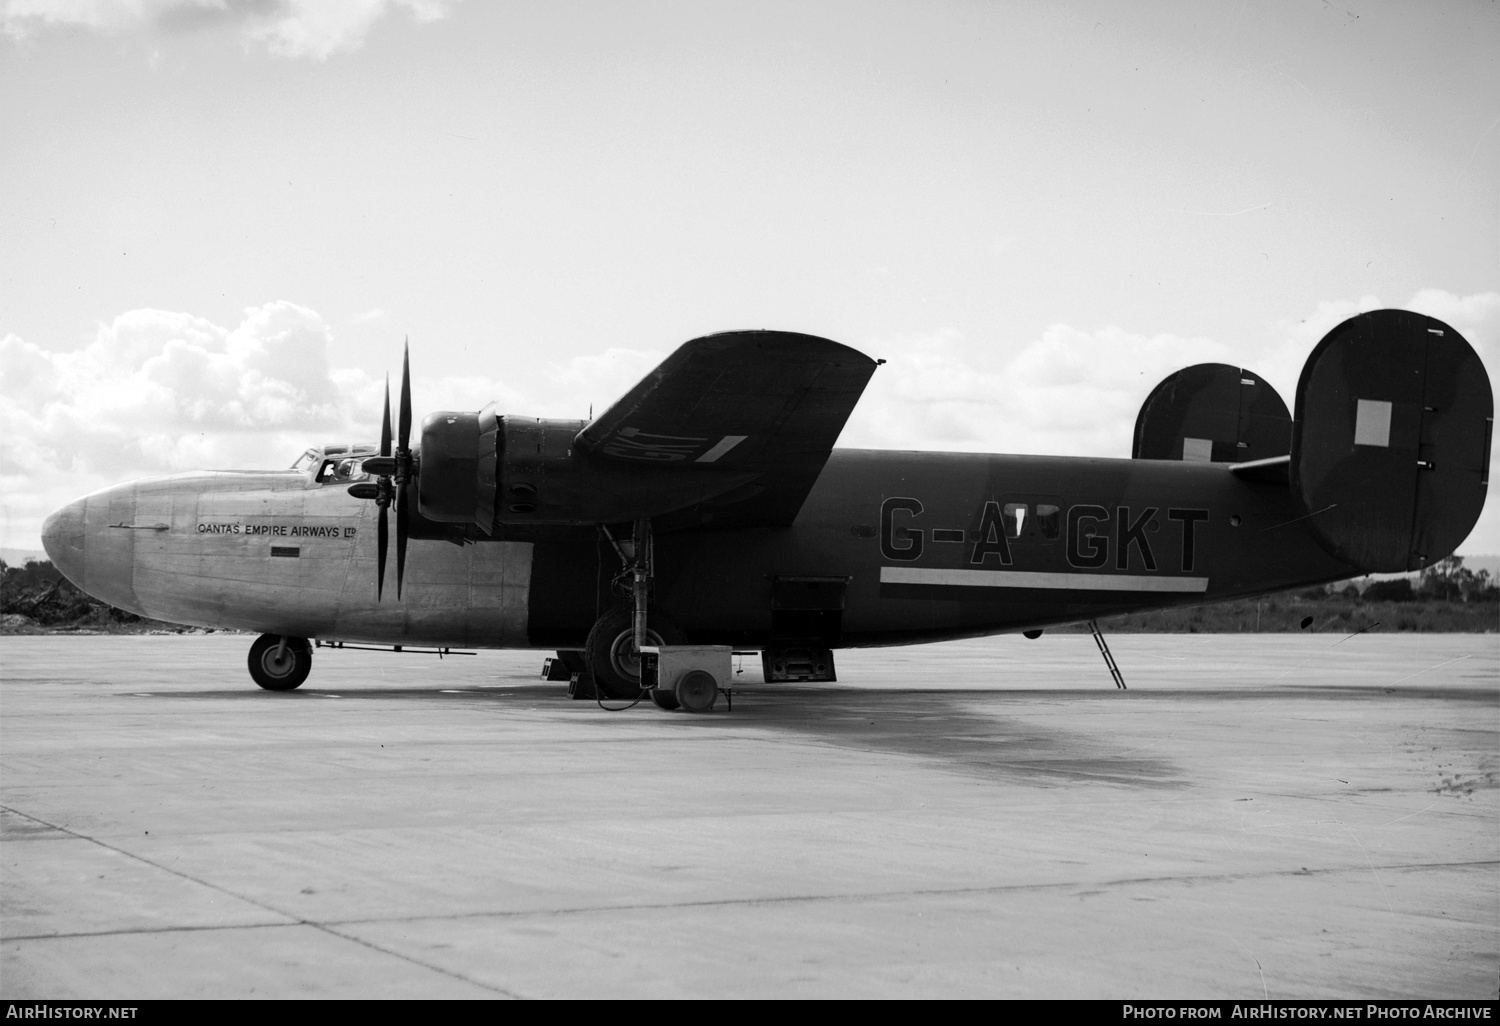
(613, 650)
(279, 662)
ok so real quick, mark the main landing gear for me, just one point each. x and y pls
(615, 660)
(613, 650)
(279, 662)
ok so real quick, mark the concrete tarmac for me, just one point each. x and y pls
(1257, 817)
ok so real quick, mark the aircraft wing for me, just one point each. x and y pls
(765, 402)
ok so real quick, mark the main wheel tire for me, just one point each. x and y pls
(697, 691)
(283, 671)
(613, 661)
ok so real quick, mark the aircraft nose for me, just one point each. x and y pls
(62, 537)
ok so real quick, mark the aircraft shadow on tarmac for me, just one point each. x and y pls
(977, 733)
(962, 731)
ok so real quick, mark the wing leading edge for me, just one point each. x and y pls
(765, 402)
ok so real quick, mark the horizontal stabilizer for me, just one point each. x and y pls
(1390, 449)
(1275, 470)
(1212, 412)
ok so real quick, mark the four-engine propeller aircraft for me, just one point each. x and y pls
(708, 506)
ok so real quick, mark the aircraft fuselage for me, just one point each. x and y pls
(921, 546)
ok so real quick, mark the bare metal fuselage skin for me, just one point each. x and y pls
(929, 544)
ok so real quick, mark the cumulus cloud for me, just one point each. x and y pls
(1075, 392)
(1068, 392)
(316, 29)
(158, 392)
(596, 381)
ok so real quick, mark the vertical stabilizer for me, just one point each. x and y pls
(1391, 440)
(1212, 412)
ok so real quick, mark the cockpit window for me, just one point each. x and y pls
(344, 470)
(326, 463)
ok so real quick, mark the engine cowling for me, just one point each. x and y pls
(490, 470)
(458, 480)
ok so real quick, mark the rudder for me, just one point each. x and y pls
(1391, 440)
(1212, 412)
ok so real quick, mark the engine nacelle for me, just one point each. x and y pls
(488, 470)
(457, 480)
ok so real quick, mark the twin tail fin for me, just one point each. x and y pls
(1388, 451)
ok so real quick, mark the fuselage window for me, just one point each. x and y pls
(1015, 519)
(1049, 520)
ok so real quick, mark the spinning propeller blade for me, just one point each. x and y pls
(382, 498)
(380, 539)
(400, 544)
(394, 472)
(404, 439)
(385, 421)
(403, 464)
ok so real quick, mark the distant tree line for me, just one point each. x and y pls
(1447, 580)
(1446, 596)
(39, 592)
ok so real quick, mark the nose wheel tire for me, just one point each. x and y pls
(278, 667)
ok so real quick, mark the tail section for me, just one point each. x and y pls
(1212, 412)
(1391, 441)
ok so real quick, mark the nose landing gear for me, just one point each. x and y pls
(279, 662)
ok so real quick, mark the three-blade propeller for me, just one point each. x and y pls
(393, 470)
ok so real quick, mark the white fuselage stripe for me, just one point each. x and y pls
(1028, 579)
(725, 444)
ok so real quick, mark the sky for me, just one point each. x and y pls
(219, 219)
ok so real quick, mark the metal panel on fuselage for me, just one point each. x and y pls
(1164, 533)
(242, 550)
(931, 544)
(279, 554)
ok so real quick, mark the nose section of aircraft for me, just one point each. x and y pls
(63, 538)
(92, 542)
